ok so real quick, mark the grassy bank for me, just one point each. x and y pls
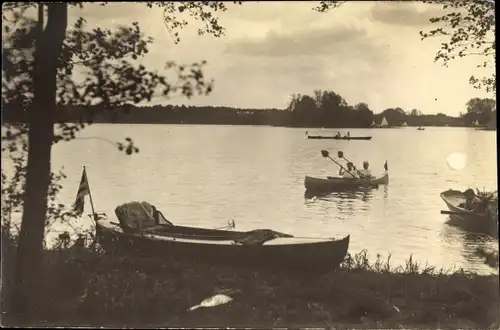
(82, 287)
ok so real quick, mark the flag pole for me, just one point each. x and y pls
(90, 195)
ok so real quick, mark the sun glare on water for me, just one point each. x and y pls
(457, 161)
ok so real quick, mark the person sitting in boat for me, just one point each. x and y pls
(348, 135)
(350, 173)
(472, 202)
(338, 134)
(365, 172)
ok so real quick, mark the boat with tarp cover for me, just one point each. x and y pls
(142, 229)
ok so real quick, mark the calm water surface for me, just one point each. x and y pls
(207, 175)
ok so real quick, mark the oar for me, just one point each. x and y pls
(341, 155)
(326, 154)
(462, 214)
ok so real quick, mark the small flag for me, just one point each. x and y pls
(83, 190)
(385, 166)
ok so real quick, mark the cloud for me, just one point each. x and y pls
(408, 14)
(364, 50)
(352, 41)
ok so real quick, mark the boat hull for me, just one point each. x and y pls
(320, 137)
(286, 253)
(330, 184)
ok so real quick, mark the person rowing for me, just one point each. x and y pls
(338, 135)
(365, 172)
(350, 173)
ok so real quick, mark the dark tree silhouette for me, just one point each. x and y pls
(38, 65)
(470, 26)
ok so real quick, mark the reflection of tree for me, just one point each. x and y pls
(471, 243)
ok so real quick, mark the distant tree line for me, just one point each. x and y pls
(481, 110)
(321, 109)
(327, 109)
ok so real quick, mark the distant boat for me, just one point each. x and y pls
(404, 124)
(421, 129)
(384, 122)
(476, 123)
(334, 183)
(318, 137)
(373, 124)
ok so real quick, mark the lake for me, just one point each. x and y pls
(208, 175)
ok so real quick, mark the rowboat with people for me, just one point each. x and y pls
(338, 137)
(471, 210)
(320, 137)
(334, 183)
(352, 178)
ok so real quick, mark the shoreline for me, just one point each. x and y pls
(11, 122)
(217, 115)
(85, 287)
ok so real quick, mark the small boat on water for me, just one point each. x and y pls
(421, 129)
(141, 229)
(339, 137)
(455, 201)
(337, 183)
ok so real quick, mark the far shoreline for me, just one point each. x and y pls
(208, 115)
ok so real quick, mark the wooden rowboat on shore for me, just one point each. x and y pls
(258, 248)
(335, 183)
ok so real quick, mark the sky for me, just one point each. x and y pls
(366, 51)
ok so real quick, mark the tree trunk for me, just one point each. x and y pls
(25, 302)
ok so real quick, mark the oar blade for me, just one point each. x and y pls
(340, 154)
(325, 153)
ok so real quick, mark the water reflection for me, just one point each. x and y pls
(361, 193)
(345, 200)
(469, 242)
(474, 226)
